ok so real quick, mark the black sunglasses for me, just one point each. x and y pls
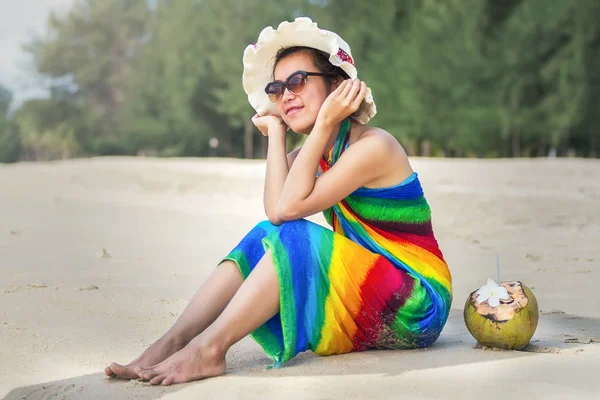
(295, 83)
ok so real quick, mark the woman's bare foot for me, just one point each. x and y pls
(159, 351)
(195, 361)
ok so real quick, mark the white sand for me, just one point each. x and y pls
(66, 311)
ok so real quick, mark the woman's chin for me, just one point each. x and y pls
(301, 125)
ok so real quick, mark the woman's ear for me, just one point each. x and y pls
(336, 82)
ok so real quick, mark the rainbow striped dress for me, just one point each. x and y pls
(377, 281)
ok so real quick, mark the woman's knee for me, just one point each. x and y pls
(267, 226)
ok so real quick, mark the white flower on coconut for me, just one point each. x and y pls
(492, 292)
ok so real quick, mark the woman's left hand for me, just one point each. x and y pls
(342, 102)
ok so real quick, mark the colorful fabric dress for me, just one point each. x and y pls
(377, 281)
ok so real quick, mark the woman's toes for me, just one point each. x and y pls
(109, 372)
(143, 371)
(124, 372)
(168, 380)
(157, 380)
(148, 374)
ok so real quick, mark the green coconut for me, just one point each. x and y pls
(509, 326)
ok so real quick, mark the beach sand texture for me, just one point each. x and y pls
(99, 256)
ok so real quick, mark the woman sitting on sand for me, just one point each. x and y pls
(376, 281)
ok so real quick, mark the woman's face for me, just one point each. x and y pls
(300, 111)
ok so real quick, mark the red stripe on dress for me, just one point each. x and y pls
(384, 290)
(324, 165)
(428, 243)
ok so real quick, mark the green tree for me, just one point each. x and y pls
(48, 129)
(479, 78)
(10, 144)
(89, 56)
(188, 86)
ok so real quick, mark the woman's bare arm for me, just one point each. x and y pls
(370, 158)
(278, 166)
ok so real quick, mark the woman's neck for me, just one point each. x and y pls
(329, 148)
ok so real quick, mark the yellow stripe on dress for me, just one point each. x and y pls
(422, 261)
(344, 300)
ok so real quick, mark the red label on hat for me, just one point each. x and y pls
(344, 56)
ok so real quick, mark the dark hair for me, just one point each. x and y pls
(321, 61)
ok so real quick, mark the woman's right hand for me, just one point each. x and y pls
(269, 124)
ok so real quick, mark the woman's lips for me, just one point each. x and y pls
(294, 110)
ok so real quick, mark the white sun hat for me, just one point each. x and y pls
(259, 57)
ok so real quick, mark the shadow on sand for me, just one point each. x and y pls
(557, 333)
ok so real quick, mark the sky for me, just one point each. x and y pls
(20, 21)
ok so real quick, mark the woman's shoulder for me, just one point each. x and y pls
(378, 135)
(391, 156)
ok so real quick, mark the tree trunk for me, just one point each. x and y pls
(541, 148)
(263, 146)
(516, 142)
(425, 148)
(248, 139)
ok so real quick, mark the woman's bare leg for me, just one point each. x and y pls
(203, 309)
(256, 301)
